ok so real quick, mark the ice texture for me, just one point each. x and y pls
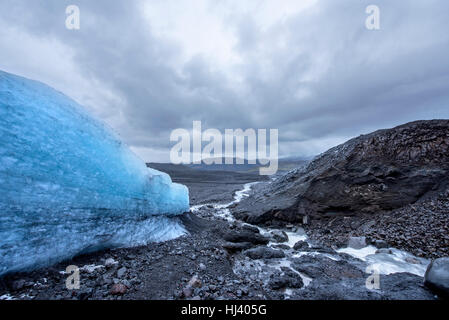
(68, 185)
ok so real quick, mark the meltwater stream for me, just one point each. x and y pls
(387, 261)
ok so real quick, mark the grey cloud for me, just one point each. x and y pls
(330, 78)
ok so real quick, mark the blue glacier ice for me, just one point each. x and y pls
(68, 185)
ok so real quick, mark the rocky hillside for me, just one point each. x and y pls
(372, 173)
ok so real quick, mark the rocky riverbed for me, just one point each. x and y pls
(421, 228)
(224, 258)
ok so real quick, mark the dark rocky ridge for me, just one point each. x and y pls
(372, 173)
(421, 228)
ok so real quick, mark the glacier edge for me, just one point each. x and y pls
(69, 185)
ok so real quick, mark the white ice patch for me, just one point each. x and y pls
(387, 263)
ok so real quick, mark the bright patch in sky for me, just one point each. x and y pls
(203, 27)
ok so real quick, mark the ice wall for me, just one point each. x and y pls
(67, 183)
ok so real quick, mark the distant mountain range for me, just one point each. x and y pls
(284, 165)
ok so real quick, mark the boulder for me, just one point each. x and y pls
(246, 236)
(110, 262)
(18, 284)
(121, 272)
(286, 279)
(384, 251)
(264, 253)
(281, 246)
(301, 245)
(195, 282)
(279, 236)
(321, 249)
(187, 292)
(119, 289)
(357, 242)
(380, 244)
(250, 228)
(437, 277)
(322, 267)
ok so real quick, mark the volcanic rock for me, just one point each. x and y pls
(264, 253)
(377, 172)
(437, 276)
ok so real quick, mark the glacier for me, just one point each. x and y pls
(68, 185)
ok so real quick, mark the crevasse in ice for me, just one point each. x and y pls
(68, 185)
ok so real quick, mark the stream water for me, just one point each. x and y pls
(386, 261)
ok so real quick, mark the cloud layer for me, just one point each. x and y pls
(308, 68)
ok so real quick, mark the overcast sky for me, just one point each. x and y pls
(309, 68)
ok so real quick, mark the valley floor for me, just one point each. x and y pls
(208, 263)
